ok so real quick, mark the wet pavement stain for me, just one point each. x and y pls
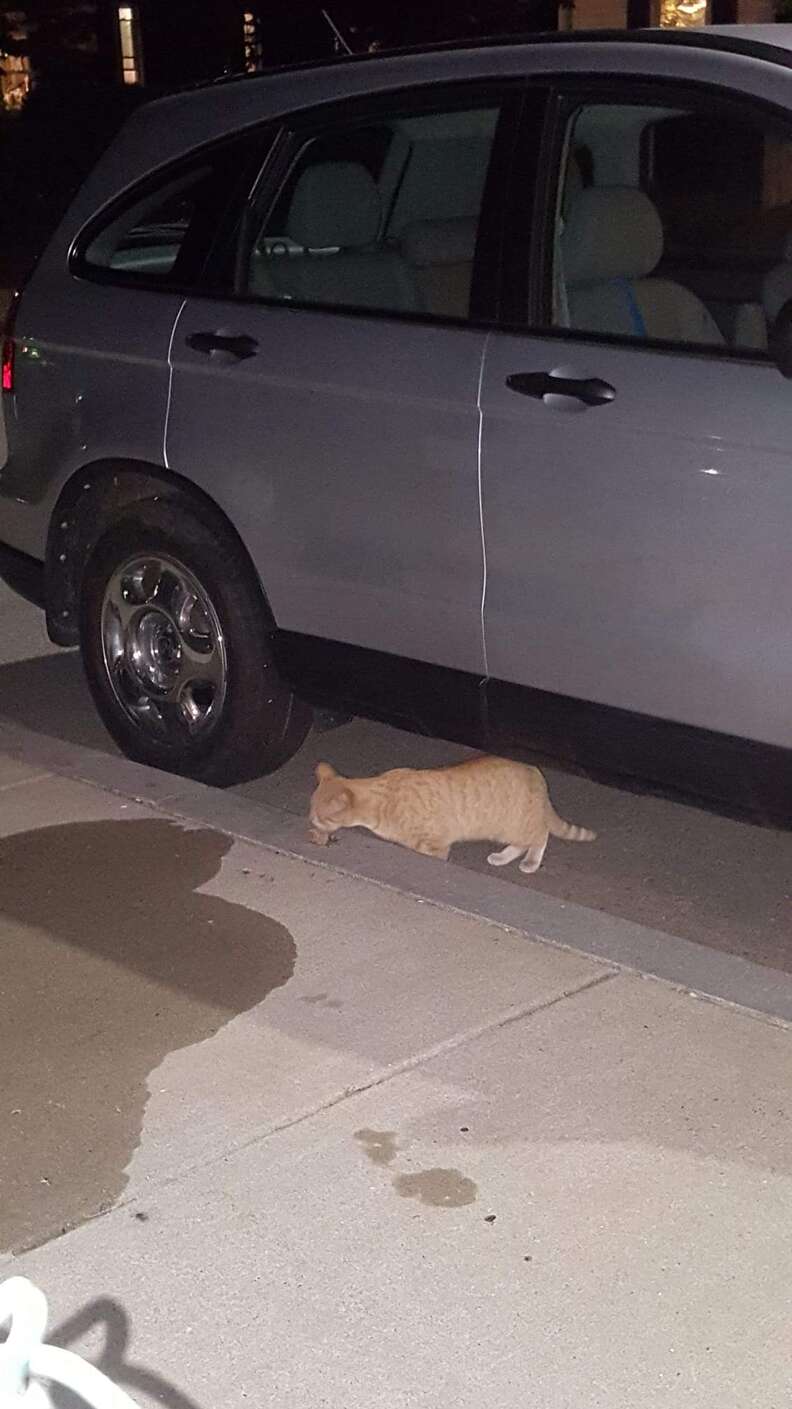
(380, 1145)
(441, 1188)
(110, 960)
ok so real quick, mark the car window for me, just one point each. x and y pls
(148, 236)
(161, 234)
(673, 225)
(382, 215)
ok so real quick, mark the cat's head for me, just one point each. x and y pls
(332, 804)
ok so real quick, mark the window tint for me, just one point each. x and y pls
(162, 234)
(147, 238)
(674, 224)
(381, 216)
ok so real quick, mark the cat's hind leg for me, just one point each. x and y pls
(502, 858)
(432, 846)
(532, 859)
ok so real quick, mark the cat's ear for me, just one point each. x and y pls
(325, 771)
(338, 804)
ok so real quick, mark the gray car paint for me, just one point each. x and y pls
(97, 389)
(355, 483)
(638, 552)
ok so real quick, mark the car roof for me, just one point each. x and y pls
(166, 128)
(343, 74)
(738, 38)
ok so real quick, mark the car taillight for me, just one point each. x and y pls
(8, 364)
(9, 344)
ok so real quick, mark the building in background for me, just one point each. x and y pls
(164, 44)
(15, 80)
(170, 43)
(671, 14)
(156, 44)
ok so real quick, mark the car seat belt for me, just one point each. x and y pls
(561, 297)
(636, 316)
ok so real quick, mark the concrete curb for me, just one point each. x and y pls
(706, 972)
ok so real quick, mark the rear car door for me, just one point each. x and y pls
(325, 385)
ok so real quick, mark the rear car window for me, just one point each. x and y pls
(148, 236)
(382, 216)
(162, 233)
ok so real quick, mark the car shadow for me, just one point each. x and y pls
(49, 694)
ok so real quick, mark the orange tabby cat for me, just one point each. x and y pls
(428, 809)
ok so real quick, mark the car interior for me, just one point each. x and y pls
(671, 225)
(387, 225)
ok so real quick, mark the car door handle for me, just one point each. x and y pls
(590, 390)
(242, 346)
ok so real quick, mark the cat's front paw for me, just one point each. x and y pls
(319, 838)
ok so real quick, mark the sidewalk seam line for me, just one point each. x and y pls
(402, 1068)
(409, 1064)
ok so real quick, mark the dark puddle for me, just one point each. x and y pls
(380, 1145)
(440, 1188)
(109, 960)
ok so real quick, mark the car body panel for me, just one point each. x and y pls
(91, 384)
(353, 442)
(638, 552)
(670, 598)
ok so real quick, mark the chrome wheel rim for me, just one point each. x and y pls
(164, 649)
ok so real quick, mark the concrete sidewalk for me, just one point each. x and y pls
(275, 1132)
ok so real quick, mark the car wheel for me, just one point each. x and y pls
(176, 643)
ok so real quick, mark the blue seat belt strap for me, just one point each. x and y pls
(636, 316)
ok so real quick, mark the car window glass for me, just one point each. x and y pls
(162, 234)
(383, 216)
(148, 236)
(673, 224)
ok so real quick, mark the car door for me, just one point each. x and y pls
(636, 462)
(326, 394)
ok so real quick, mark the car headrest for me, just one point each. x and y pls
(335, 203)
(611, 232)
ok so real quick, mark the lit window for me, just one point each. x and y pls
(683, 14)
(14, 79)
(252, 41)
(129, 44)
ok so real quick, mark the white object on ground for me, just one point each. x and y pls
(27, 1366)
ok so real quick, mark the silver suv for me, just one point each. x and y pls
(447, 386)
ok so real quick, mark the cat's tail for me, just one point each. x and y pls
(567, 831)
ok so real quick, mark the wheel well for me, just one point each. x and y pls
(87, 505)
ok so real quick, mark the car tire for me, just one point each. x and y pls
(176, 642)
